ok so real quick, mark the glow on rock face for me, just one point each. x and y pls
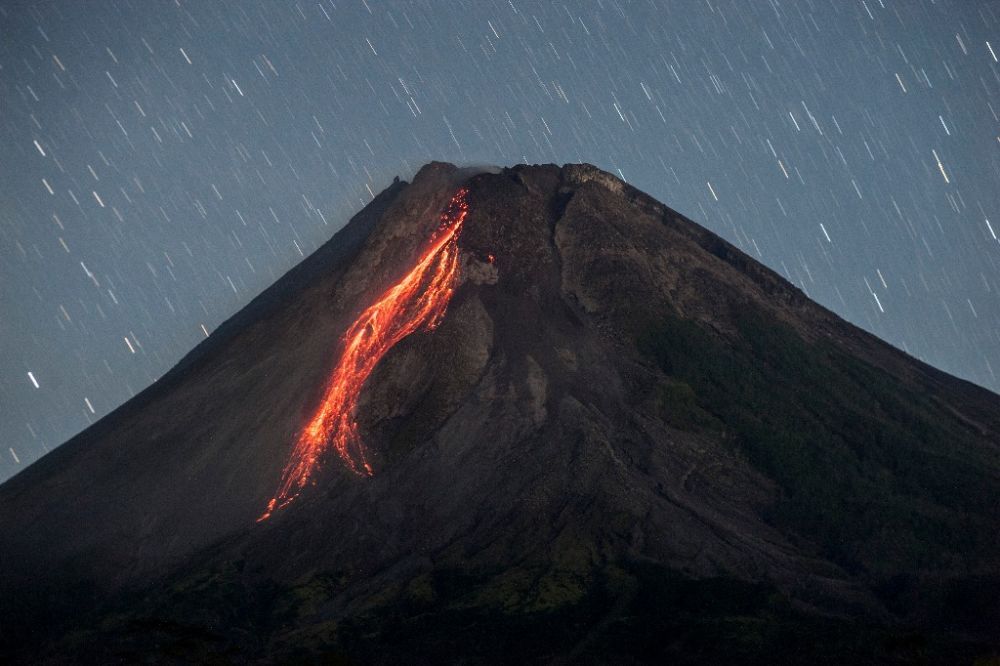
(418, 301)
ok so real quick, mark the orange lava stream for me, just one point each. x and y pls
(417, 301)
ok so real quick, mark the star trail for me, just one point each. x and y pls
(163, 162)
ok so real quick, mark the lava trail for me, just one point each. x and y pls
(417, 301)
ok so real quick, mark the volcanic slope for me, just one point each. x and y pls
(617, 438)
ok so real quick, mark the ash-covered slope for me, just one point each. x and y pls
(624, 439)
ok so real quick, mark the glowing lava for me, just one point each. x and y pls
(417, 301)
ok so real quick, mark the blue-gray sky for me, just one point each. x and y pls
(162, 162)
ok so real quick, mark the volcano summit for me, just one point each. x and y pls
(524, 416)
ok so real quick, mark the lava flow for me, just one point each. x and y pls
(418, 300)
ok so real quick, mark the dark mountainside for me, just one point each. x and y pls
(627, 441)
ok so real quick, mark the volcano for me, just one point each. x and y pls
(519, 415)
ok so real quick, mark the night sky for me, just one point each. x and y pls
(163, 162)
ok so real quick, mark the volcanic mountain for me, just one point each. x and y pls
(522, 415)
